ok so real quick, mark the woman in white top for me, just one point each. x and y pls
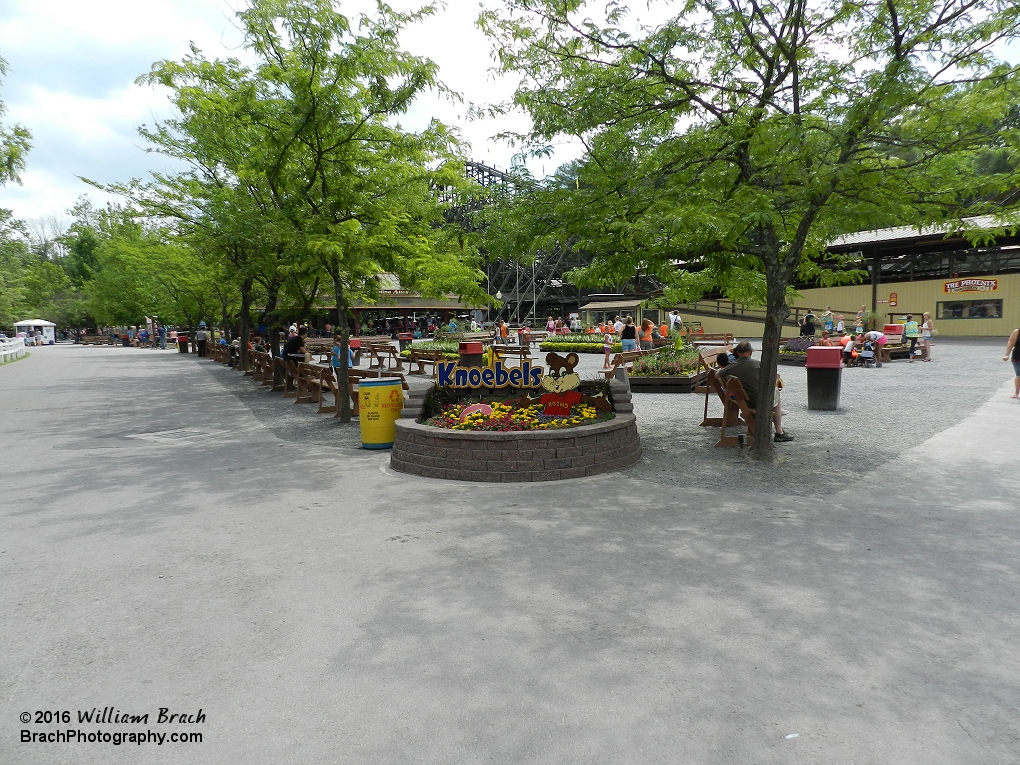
(926, 330)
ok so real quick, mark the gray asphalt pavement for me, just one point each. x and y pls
(169, 538)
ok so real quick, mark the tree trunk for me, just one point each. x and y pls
(245, 311)
(273, 333)
(224, 318)
(344, 327)
(776, 312)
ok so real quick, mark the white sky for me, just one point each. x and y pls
(72, 67)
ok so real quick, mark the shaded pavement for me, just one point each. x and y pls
(160, 546)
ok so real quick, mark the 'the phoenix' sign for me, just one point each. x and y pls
(970, 285)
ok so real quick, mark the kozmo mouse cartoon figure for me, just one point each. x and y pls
(561, 385)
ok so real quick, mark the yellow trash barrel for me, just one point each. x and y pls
(379, 404)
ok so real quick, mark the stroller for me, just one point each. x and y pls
(866, 357)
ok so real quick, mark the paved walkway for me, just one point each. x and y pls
(160, 546)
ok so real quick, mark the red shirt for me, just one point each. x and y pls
(559, 404)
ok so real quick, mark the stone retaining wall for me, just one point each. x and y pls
(544, 455)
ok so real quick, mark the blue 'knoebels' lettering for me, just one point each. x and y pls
(452, 376)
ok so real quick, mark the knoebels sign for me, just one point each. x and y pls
(497, 376)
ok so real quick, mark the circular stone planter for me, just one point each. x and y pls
(534, 455)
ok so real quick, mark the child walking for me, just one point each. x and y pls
(607, 345)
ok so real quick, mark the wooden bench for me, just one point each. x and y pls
(328, 382)
(707, 362)
(700, 339)
(887, 353)
(625, 359)
(736, 404)
(521, 352)
(730, 415)
(262, 366)
(423, 356)
(95, 340)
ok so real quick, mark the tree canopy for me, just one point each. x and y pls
(15, 141)
(726, 145)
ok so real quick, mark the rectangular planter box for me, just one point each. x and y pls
(792, 359)
(665, 383)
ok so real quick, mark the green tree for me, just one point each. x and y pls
(738, 138)
(309, 135)
(15, 141)
(13, 254)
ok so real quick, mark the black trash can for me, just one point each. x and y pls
(125, 341)
(404, 338)
(182, 343)
(824, 377)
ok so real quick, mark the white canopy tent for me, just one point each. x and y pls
(39, 326)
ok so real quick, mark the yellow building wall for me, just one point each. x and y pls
(918, 297)
(740, 329)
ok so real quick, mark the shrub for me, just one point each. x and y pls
(589, 347)
(668, 362)
(797, 345)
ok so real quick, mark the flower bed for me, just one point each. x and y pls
(509, 415)
(514, 457)
(669, 362)
(793, 352)
(563, 346)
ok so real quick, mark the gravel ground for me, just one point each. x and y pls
(883, 412)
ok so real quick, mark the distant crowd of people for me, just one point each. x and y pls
(861, 346)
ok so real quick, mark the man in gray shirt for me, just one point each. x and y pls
(747, 370)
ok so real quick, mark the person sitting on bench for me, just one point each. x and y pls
(294, 349)
(747, 371)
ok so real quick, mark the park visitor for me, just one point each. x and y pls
(645, 336)
(608, 338)
(840, 325)
(879, 338)
(294, 349)
(1013, 355)
(910, 331)
(848, 349)
(828, 322)
(927, 329)
(201, 337)
(617, 325)
(334, 355)
(747, 370)
(628, 336)
(807, 326)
